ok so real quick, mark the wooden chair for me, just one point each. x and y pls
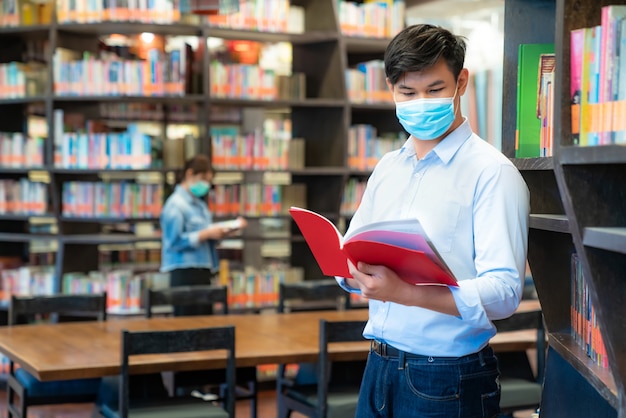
(312, 295)
(337, 393)
(167, 342)
(28, 389)
(182, 297)
(520, 387)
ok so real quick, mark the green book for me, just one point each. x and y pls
(528, 125)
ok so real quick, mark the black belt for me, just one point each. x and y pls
(386, 350)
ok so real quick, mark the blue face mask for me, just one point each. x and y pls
(200, 188)
(426, 119)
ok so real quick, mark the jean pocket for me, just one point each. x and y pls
(431, 382)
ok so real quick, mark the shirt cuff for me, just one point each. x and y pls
(194, 239)
(341, 281)
(468, 303)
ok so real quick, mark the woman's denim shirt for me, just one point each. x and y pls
(182, 218)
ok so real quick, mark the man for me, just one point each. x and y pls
(430, 355)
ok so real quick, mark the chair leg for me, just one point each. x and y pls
(252, 387)
(283, 411)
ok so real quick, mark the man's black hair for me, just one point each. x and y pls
(419, 47)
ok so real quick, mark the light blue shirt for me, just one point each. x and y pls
(474, 205)
(182, 218)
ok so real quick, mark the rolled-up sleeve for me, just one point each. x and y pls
(174, 236)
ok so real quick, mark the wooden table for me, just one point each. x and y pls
(92, 349)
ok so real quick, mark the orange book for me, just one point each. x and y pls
(402, 246)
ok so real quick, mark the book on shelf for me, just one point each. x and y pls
(528, 125)
(402, 245)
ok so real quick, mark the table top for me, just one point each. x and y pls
(92, 349)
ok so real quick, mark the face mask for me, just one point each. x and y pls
(200, 188)
(426, 119)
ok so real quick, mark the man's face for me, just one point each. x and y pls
(435, 82)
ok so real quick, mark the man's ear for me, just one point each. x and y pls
(462, 81)
(389, 85)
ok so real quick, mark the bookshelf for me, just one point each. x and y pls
(577, 205)
(323, 117)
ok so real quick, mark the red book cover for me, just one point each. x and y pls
(401, 245)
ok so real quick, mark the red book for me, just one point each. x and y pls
(401, 246)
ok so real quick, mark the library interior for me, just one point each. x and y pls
(103, 103)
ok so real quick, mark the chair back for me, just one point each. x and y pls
(186, 296)
(178, 341)
(314, 295)
(84, 306)
(333, 332)
(521, 387)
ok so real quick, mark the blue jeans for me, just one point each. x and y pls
(433, 387)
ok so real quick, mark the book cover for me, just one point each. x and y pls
(401, 245)
(528, 125)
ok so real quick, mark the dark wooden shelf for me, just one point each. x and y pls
(130, 28)
(549, 222)
(603, 154)
(605, 238)
(599, 378)
(533, 164)
(112, 238)
(189, 98)
(28, 31)
(20, 170)
(259, 36)
(365, 45)
(278, 103)
(320, 171)
(372, 106)
(23, 237)
(105, 220)
(24, 217)
(22, 100)
(92, 171)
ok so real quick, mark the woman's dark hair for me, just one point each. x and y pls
(419, 47)
(198, 165)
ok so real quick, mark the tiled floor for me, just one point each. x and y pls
(267, 409)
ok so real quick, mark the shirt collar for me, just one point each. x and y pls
(446, 149)
(184, 194)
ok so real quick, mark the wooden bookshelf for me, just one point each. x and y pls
(577, 205)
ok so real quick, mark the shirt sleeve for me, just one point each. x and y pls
(174, 237)
(341, 281)
(501, 211)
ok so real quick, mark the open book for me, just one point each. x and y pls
(400, 245)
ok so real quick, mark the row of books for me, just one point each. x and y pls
(18, 80)
(584, 321)
(242, 81)
(366, 83)
(161, 74)
(92, 11)
(27, 280)
(18, 150)
(535, 100)
(252, 199)
(259, 150)
(352, 195)
(131, 149)
(261, 15)
(598, 80)
(25, 12)
(366, 146)
(23, 197)
(110, 258)
(83, 199)
(376, 19)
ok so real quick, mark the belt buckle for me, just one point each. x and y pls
(380, 348)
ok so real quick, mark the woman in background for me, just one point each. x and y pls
(189, 235)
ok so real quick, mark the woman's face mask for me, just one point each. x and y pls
(200, 188)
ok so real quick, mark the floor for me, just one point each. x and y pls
(267, 409)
